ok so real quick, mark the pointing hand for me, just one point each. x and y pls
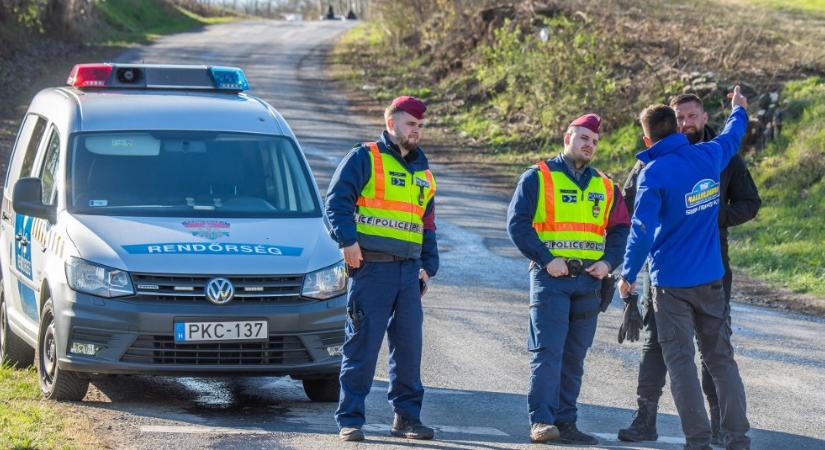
(737, 99)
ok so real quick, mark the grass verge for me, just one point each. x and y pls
(140, 21)
(784, 244)
(28, 422)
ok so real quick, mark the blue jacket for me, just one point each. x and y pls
(523, 208)
(675, 219)
(346, 185)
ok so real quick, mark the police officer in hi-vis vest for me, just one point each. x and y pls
(380, 205)
(572, 223)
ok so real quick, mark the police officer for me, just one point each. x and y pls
(381, 210)
(739, 203)
(675, 223)
(571, 222)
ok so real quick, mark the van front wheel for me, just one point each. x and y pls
(55, 384)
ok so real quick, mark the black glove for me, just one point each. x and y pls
(607, 291)
(632, 320)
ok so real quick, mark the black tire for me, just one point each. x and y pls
(13, 350)
(322, 389)
(55, 383)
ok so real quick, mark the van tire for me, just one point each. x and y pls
(55, 383)
(13, 351)
(322, 389)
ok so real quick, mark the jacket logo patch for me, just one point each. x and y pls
(569, 195)
(422, 182)
(399, 182)
(595, 197)
(398, 174)
(705, 194)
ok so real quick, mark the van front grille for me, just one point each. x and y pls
(162, 349)
(284, 289)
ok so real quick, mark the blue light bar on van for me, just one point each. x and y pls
(157, 76)
(229, 78)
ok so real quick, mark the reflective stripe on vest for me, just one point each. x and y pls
(393, 201)
(572, 223)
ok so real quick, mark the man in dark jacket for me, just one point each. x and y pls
(675, 224)
(739, 203)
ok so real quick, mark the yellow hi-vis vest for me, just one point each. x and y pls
(572, 223)
(392, 203)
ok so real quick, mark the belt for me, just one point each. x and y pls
(372, 256)
(576, 266)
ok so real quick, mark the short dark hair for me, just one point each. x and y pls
(658, 122)
(681, 99)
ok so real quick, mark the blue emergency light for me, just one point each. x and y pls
(230, 78)
(156, 76)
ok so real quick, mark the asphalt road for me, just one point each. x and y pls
(475, 366)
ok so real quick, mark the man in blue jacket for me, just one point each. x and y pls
(380, 205)
(571, 222)
(675, 224)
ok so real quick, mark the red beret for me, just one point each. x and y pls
(590, 121)
(410, 105)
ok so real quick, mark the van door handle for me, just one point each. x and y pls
(6, 216)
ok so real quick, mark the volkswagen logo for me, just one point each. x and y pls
(219, 291)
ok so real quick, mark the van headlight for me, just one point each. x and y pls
(326, 283)
(91, 278)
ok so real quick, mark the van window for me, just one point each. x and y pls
(189, 173)
(48, 171)
(25, 150)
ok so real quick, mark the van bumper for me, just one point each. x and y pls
(132, 336)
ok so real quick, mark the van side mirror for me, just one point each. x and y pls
(27, 199)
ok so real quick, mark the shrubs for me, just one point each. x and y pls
(784, 244)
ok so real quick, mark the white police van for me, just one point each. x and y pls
(157, 220)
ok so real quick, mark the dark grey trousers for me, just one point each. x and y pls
(680, 313)
(652, 370)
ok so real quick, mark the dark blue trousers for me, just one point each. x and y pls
(559, 339)
(384, 297)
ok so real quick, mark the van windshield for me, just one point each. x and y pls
(201, 174)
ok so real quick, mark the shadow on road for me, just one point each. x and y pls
(266, 408)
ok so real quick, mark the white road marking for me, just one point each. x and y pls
(662, 439)
(199, 429)
(427, 391)
(371, 427)
(482, 431)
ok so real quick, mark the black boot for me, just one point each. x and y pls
(715, 427)
(570, 435)
(643, 427)
(410, 429)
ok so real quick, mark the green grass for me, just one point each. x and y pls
(810, 6)
(785, 244)
(27, 422)
(144, 20)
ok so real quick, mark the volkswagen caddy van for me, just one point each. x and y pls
(157, 220)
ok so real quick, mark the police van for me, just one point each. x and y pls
(158, 220)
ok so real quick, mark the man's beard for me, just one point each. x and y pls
(407, 144)
(695, 136)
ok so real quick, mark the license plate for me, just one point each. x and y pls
(221, 331)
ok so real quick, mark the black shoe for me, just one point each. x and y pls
(569, 434)
(351, 434)
(542, 432)
(643, 427)
(410, 429)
